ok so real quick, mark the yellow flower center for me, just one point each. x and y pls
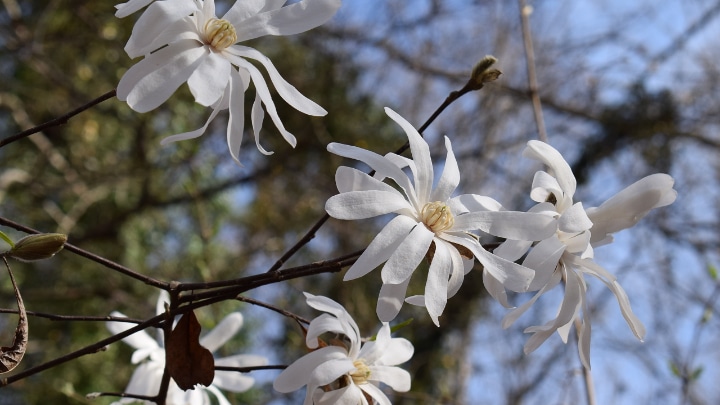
(361, 373)
(437, 216)
(219, 33)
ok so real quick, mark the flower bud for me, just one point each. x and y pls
(482, 72)
(38, 247)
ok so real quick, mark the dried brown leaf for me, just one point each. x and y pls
(10, 356)
(188, 362)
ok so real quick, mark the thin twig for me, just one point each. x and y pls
(587, 373)
(272, 308)
(525, 11)
(57, 121)
(98, 259)
(54, 317)
(249, 369)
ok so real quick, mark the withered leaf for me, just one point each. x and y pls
(10, 356)
(188, 363)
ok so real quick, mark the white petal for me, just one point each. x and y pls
(495, 289)
(460, 267)
(552, 158)
(257, 117)
(264, 94)
(145, 379)
(513, 315)
(236, 120)
(512, 275)
(139, 340)
(391, 300)
(627, 207)
(232, 381)
(153, 80)
(287, 91)
(289, 20)
(364, 204)
(382, 247)
(241, 10)
(421, 156)
(226, 329)
(148, 32)
(129, 7)
(376, 393)
(574, 219)
(221, 400)
(544, 258)
(408, 256)
(350, 179)
(299, 373)
(208, 82)
(474, 202)
(513, 250)
(196, 133)
(395, 377)
(350, 328)
(508, 224)
(436, 287)
(450, 177)
(398, 351)
(380, 164)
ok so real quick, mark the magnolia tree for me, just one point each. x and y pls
(433, 226)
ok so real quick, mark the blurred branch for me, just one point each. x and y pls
(57, 121)
(525, 12)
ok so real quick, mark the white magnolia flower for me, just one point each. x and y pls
(568, 255)
(350, 372)
(184, 41)
(426, 216)
(150, 355)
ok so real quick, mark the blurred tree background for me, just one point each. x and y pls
(628, 89)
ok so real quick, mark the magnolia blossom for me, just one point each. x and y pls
(183, 41)
(150, 355)
(346, 372)
(568, 255)
(429, 223)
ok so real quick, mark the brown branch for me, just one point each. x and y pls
(272, 308)
(57, 121)
(54, 317)
(98, 259)
(249, 369)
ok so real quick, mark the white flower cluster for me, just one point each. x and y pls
(183, 41)
(551, 245)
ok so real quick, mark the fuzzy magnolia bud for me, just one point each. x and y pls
(37, 247)
(482, 72)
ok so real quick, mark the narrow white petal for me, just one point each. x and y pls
(436, 287)
(287, 91)
(382, 247)
(398, 351)
(264, 93)
(160, 16)
(553, 159)
(241, 10)
(458, 272)
(192, 134)
(299, 373)
(513, 315)
(139, 340)
(513, 250)
(226, 329)
(495, 289)
(376, 394)
(408, 256)
(474, 202)
(208, 82)
(421, 156)
(153, 80)
(257, 117)
(364, 204)
(450, 177)
(395, 377)
(129, 7)
(350, 328)
(322, 324)
(544, 258)
(508, 224)
(391, 300)
(627, 207)
(350, 179)
(383, 167)
(512, 275)
(289, 20)
(236, 119)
